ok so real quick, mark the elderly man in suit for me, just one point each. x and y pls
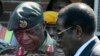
(76, 25)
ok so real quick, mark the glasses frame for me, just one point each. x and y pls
(59, 33)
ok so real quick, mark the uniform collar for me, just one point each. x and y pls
(84, 46)
(48, 41)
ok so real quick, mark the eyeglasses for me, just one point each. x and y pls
(59, 33)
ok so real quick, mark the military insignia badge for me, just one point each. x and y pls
(22, 23)
(50, 49)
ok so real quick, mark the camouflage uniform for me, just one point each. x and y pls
(48, 48)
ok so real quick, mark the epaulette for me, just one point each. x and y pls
(50, 49)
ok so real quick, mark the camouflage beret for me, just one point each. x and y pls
(25, 15)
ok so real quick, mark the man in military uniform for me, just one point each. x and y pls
(50, 18)
(29, 28)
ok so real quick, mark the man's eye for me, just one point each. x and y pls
(36, 29)
(29, 31)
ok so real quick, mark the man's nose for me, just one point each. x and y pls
(25, 36)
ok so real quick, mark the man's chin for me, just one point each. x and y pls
(28, 48)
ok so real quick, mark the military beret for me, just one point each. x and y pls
(25, 15)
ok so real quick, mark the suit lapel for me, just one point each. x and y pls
(87, 50)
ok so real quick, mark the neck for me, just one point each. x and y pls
(72, 51)
(69, 53)
(86, 38)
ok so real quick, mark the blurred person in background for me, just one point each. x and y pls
(50, 18)
(56, 5)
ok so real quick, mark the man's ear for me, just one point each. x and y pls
(78, 30)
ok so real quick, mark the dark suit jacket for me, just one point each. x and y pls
(93, 48)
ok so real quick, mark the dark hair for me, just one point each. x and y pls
(78, 14)
(1, 8)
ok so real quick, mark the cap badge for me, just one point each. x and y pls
(22, 23)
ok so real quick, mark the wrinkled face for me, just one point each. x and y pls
(52, 31)
(65, 37)
(30, 39)
(58, 5)
(68, 36)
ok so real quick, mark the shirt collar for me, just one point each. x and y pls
(84, 46)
